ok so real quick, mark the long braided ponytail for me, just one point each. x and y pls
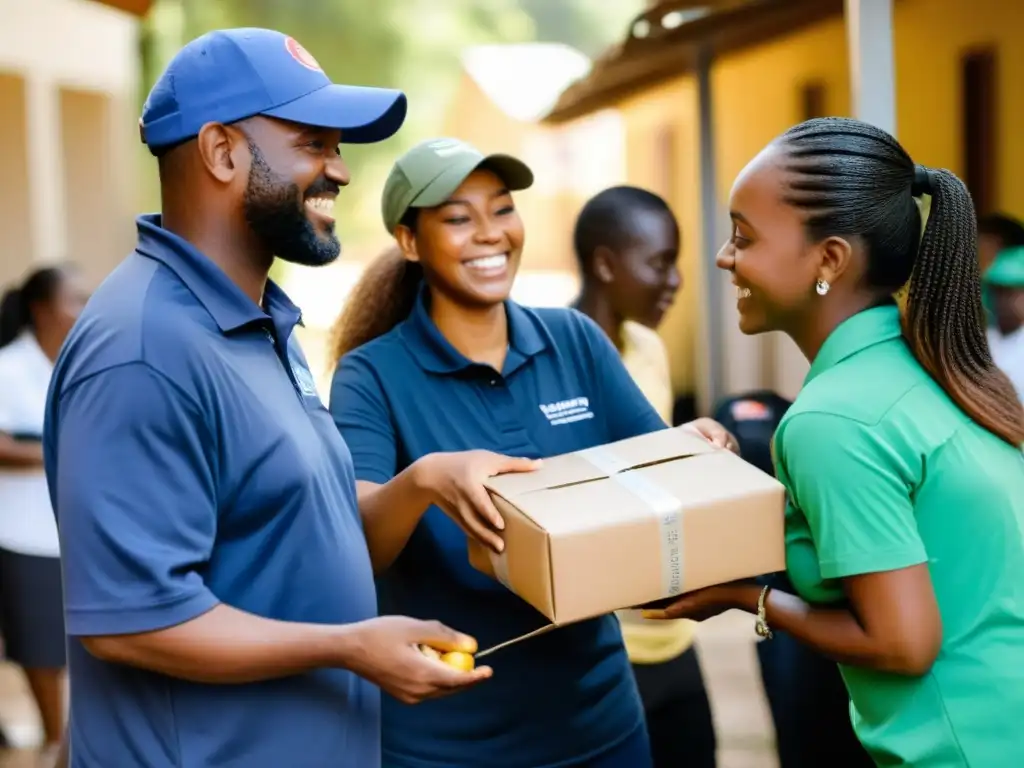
(851, 178)
(945, 322)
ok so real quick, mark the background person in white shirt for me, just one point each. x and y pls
(34, 320)
(1005, 281)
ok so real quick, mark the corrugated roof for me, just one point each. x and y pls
(665, 41)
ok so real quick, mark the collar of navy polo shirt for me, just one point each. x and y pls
(227, 304)
(855, 334)
(434, 353)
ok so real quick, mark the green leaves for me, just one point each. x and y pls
(414, 45)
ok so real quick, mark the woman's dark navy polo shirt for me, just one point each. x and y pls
(558, 698)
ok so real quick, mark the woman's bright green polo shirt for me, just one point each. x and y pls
(884, 472)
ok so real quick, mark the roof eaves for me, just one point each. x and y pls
(639, 62)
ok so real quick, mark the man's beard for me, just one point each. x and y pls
(274, 209)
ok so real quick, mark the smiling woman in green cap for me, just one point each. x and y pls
(436, 361)
(1005, 281)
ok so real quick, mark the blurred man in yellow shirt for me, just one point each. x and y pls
(627, 242)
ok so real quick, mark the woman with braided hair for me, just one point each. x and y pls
(902, 454)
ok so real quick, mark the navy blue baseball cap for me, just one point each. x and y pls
(232, 74)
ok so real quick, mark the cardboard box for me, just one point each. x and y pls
(631, 522)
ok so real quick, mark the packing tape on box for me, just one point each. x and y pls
(661, 502)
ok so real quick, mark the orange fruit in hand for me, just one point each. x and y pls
(464, 662)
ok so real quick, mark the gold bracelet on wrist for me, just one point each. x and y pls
(761, 622)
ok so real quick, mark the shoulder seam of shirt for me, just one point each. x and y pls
(543, 316)
(582, 323)
(847, 417)
(552, 311)
(367, 355)
(157, 372)
(377, 377)
(950, 438)
(930, 456)
(143, 320)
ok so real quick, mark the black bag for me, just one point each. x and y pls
(753, 418)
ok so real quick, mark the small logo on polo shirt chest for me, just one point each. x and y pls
(304, 379)
(567, 411)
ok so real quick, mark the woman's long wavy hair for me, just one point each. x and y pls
(381, 299)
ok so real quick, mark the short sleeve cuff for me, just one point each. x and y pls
(873, 562)
(371, 475)
(85, 622)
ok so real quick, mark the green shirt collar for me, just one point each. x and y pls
(863, 330)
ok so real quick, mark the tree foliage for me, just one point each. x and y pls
(409, 44)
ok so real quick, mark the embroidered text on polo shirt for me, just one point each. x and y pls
(567, 411)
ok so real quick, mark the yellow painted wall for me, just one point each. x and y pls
(756, 92)
(473, 117)
(931, 36)
(757, 96)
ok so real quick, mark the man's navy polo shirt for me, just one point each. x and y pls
(561, 697)
(191, 463)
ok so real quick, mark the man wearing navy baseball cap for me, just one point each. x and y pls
(219, 596)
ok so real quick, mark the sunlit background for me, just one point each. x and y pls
(672, 96)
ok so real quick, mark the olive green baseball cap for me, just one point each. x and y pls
(428, 174)
(1007, 271)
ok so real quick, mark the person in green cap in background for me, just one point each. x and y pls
(997, 232)
(1005, 281)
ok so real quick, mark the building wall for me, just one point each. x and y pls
(757, 94)
(15, 223)
(68, 78)
(760, 92)
(569, 166)
(931, 37)
(473, 117)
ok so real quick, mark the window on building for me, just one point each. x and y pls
(979, 101)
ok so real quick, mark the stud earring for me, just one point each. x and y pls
(822, 287)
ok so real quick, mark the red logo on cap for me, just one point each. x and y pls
(301, 55)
